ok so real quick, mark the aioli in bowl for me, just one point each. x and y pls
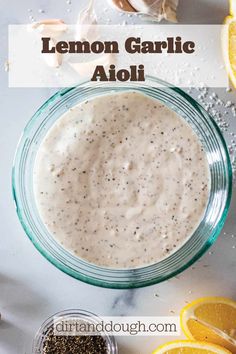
(121, 180)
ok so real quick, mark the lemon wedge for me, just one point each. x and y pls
(190, 347)
(211, 319)
(229, 47)
(232, 7)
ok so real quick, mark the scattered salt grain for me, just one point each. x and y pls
(228, 104)
(213, 96)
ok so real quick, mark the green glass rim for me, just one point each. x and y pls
(132, 274)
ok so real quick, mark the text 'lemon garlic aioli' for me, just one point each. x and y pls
(121, 180)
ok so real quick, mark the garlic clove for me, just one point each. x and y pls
(53, 60)
(88, 15)
(50, 27)
(86, 24)
(49, 21)
(85, 69)
(7, 66)
(122, 5)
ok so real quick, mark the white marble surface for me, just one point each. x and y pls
(31, 289)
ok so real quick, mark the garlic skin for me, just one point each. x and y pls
(170, 9)
(145, 6)
(122, 5)
(155, 10)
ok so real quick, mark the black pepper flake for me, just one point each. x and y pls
(74, 344)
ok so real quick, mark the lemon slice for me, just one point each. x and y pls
(229, 47)
(211, 319)
(190, 347)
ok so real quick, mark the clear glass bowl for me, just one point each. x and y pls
(67, 315)
(207, 231)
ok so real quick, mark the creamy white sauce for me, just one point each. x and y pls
(121, 180)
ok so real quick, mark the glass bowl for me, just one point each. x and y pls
(204, 236)
(82, 315)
